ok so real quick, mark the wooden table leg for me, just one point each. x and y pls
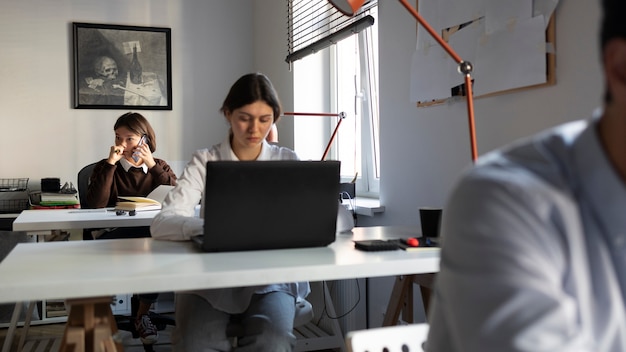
(398, 297)
(27, 319)
(90, 326)
(401, 299)
(8, 339)
(426, 283)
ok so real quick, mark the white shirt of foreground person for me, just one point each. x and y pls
(534, 250)
(177, 220)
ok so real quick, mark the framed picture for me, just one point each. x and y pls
(122, 67)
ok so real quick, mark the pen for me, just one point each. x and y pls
(89, 211)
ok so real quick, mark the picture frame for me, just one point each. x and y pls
(122, 67)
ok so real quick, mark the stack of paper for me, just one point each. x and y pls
(55, 199)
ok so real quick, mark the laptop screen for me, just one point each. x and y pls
(270, 204)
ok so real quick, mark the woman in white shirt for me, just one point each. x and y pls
(264, 313)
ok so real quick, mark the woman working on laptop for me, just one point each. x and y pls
(265, 313)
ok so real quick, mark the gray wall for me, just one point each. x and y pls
(424, 149)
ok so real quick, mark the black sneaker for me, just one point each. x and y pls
(147, 331)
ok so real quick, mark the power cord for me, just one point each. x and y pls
(351, 203)
(325, 312)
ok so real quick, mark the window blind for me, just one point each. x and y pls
(315, 25)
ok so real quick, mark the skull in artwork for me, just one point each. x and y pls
(106, 68)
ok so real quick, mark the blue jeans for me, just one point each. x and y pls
(267, 325)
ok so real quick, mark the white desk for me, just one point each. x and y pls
(82, 269)
(79, 269)
(42, 221)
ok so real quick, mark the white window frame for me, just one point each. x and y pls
(315, 90)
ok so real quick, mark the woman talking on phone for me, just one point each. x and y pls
(130, 170)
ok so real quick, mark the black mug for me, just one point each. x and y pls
(430, 219)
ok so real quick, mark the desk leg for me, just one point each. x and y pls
(426, 283)
(29, 315)
(8, 339)
(90, 326)
(401, 288)
(401, 300)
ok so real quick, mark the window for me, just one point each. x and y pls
(342, 78)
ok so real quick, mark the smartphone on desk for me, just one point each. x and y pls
(141, 142)
(376, 245)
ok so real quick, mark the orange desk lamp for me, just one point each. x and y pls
(341, 115)
(350, 7)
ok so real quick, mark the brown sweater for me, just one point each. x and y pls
(107, 182)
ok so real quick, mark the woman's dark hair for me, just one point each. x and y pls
(137, 124)
(613, 23)
(613, 26)
(251, 88)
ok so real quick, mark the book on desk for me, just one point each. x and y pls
(151, 202)
(137, 204)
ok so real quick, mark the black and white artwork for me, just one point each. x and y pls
(122, 67)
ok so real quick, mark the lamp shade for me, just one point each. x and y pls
(347, 7)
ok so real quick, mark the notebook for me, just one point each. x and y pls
(152, 202)
(254, 205)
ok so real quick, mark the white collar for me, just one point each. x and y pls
(127, 165)
(227, 152)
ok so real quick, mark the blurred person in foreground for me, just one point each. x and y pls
(534, 236)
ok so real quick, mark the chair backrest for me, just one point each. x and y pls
(400, 338)
(83, 182)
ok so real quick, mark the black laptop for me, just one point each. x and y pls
(254, 205)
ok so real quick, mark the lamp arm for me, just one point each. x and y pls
(470, 116)
(464, 68)
(311, 114)
(341, 115)
(432, 32)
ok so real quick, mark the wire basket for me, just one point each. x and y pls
(13, 205)
(13, 184)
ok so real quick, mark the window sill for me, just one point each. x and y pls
(368, 206)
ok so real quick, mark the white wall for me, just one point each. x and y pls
(270, 50)
(424, 149)
(43, 136)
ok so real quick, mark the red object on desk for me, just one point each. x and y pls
(412, 242)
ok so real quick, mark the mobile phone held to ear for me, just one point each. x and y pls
(141, 142)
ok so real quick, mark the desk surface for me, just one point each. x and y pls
(67, 219)
(76, 269)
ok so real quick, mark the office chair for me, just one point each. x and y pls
(123, 322)
(83, 183)
(398, 338)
